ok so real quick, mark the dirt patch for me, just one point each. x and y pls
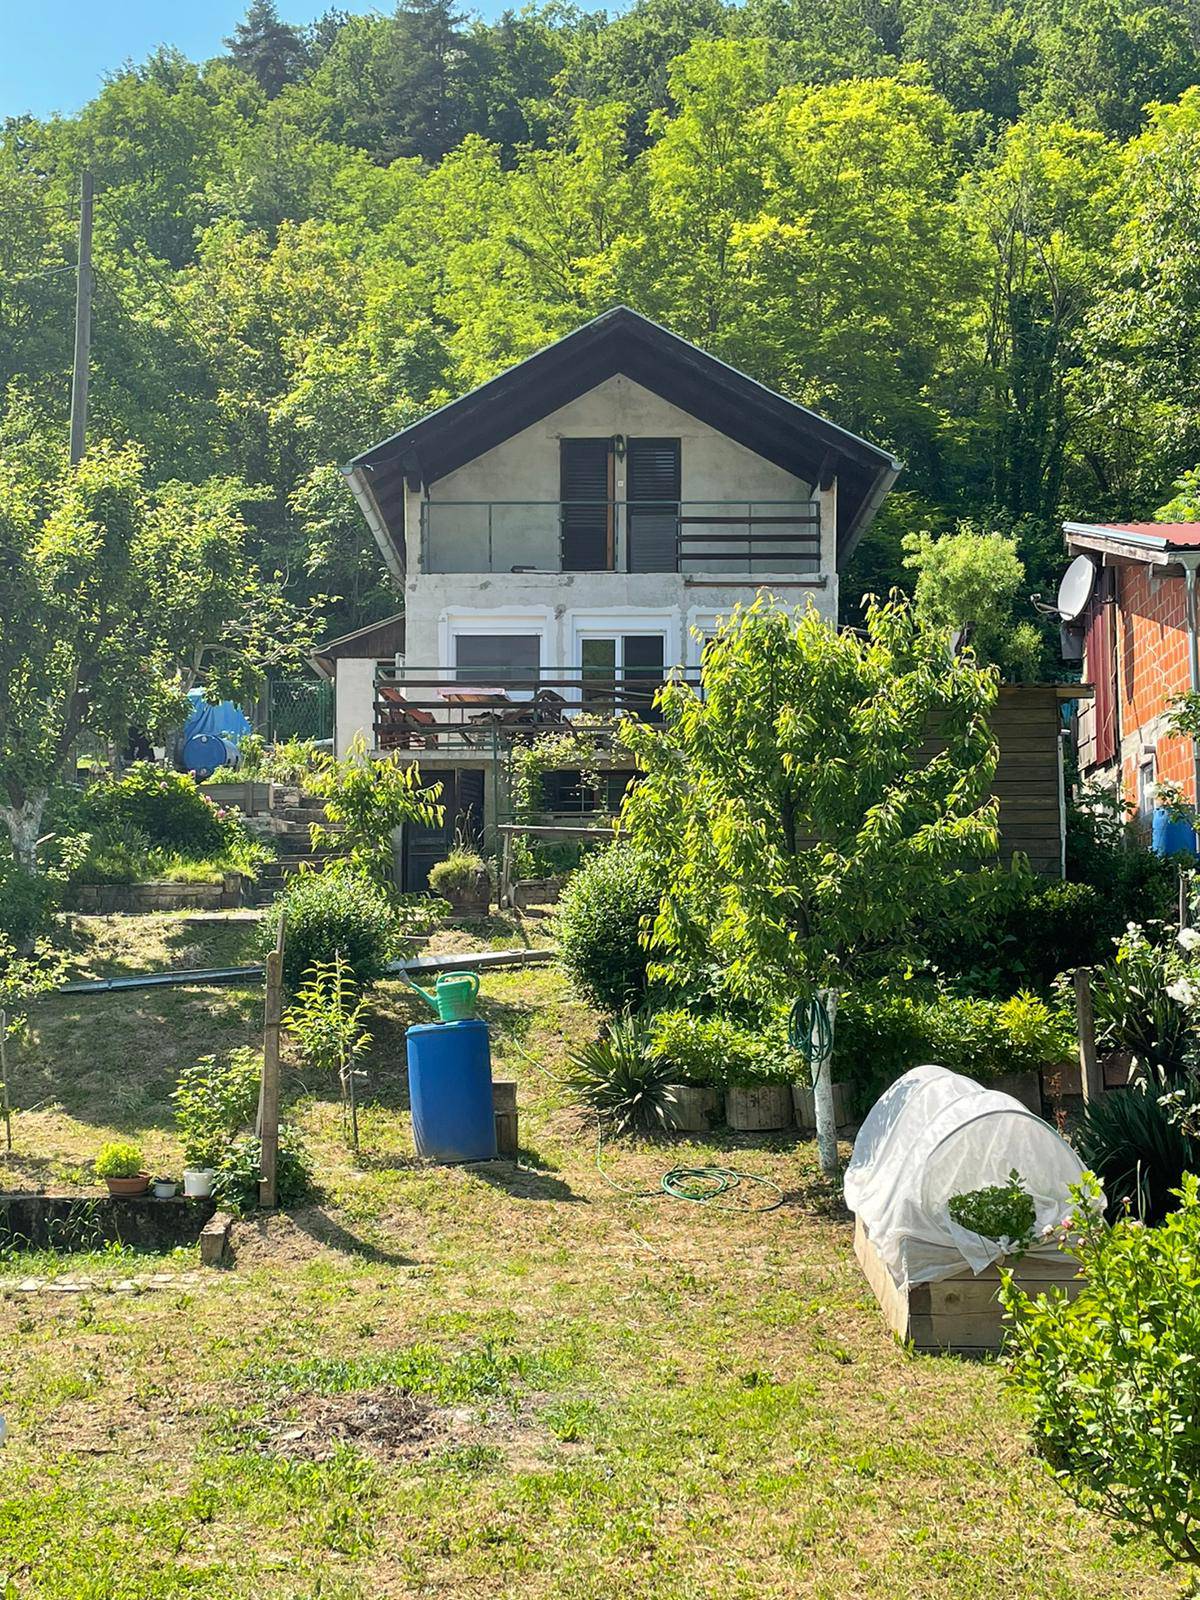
(275, 1238)
(385, 1422)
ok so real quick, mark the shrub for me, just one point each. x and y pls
(462, 869)
(618, 1078)
(881, 1036)
(328, 913)
(27, 903)
(1102, 850)
(719, 1050)
(1135, 1006)
(1021, 932)
(165, 809)
(1134, 1143)
(1113, 1377)
(215, 1098)
(119, 1159)
(606, 907)
(1002, 1212)
(235, 1182)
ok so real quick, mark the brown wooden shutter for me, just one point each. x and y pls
(1100, 653)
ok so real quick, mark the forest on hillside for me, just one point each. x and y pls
(967, 229)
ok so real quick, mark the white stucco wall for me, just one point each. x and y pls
(525, 469)
(353, 702)
(562, 607)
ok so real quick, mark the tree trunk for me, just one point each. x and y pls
(24, 824)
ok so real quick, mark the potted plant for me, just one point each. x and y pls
(164, 1188)
(464, 880)
(693, 1048)
(120, 1165)
(200, 1155)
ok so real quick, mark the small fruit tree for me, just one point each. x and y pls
(820, 793)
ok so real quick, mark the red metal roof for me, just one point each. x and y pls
(1181, 533)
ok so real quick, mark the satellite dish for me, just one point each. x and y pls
(1075, 590)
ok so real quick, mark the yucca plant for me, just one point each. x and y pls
(1132, 1140)
(618, 1079)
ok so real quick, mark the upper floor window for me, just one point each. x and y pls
(590, 511)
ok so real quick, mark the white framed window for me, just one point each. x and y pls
(1145, 789)
(510, 647)
(622, 656)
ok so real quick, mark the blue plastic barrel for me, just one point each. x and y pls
(203, 753)
(450, 1091)
(1171, 837)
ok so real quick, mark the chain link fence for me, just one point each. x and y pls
(300, 708)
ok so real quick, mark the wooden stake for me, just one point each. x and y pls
(4, 1078)
(1090, 1079)
(1185, 899)
(268, 1104)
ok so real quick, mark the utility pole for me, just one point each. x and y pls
(83, 323)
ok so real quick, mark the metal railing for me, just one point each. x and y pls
(493, 709)
(738, 537)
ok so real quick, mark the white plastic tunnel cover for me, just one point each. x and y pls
(935, 1134)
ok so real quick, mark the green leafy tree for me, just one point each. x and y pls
(969, 582)
(114, 598)
(367, 800)
(826, 792)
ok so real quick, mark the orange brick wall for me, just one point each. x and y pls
(1152, 667)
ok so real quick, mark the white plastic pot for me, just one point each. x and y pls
(198, 1182)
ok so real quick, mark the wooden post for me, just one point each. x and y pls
(504, 1108)
(1090, 1078)
(268, 1103)
(1185, 899)
(505, 889)
(4, 1078)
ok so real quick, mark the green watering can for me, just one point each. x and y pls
(452, 997)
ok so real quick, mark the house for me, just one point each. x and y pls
(568, 533)
(562, 533)
(1137, 628)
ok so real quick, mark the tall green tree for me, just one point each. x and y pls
(267, 49)
(114, 599)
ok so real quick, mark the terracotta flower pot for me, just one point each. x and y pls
(129, 1186)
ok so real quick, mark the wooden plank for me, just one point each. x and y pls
(1090, 1077)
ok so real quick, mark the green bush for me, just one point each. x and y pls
(27, 903)
(605, 908)
(880, 1036)
(719, 1050)
(462, 869)
(1113, 1377)
(618, 1078)
(235, 1183)
(328, 912)
(1020, 932)
(121, 1158)
(215, 1098)
(166, 809)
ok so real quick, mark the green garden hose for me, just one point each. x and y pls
(702, 1186)
(810, 1032)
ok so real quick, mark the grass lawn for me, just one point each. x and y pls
(489, 1381)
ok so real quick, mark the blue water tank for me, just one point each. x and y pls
(450, 1091)
(203, 753)
(1171, 837)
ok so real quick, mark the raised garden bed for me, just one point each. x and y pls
(961, 1313)
(84, 1222)
(227, 895)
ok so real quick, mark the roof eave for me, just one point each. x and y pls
(360, 487)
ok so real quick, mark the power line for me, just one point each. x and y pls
(30, 277)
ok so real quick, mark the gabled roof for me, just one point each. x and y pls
(622, 341)
(1147, 541)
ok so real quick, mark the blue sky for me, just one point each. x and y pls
(54, 53)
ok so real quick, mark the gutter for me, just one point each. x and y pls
(360, 487)
(1189, 560)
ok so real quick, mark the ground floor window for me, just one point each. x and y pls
(566, 792)
(497, 658)
(622, 671)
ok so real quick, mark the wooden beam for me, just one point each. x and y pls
(268, 1105)
(1090, 1077)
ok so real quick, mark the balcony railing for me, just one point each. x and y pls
(431, 708)
(736, 537)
